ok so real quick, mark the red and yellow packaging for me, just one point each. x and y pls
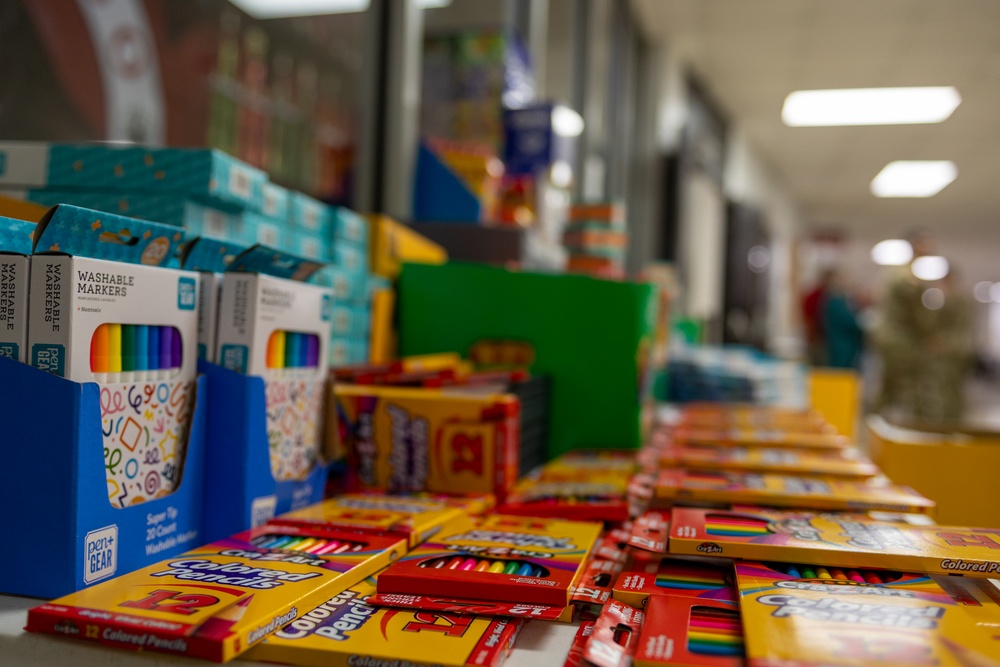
(847, 462)
(515, 566)
(412, 517)
(615, 636)
(708, 579)
(835, 540)
(407, 439)
(605, 500)
(690, 632)
(345, 631)
(682, 486)
(908, 621)
(758, 437)
(216, 601)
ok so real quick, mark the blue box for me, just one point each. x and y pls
(350, 258)
(309, 214)
(274, 201)
(341, 352)
(342, 321)
(240, 490)
(205, 174)
(349, 226)
(53, 485)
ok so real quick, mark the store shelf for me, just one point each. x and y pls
(540, 644)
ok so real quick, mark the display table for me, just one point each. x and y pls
(540, 644)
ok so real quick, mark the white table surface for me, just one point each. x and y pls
(540, 644)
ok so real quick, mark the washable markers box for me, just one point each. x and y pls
(345, 631)
(690, 632)
(410, 439)
(15, 266)
(706, 579)
(209, 257)
(518, 566)
(791, 619)
(414, 518)
(682, 486)
(216, 601)
(846, 541)
(105, 310)
(848, 462)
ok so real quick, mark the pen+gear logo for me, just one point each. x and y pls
(709, 548)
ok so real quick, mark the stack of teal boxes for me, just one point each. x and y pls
(351, 283)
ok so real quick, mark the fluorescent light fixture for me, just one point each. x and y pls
(914, 178)
(869, 106)
(276, 9)
(566, 122)
(933, 299)
(930, 267)
(982, 291)
(892, 252)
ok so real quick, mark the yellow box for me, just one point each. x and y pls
(840, 540)
(817, 493)
(408, 439)
(346, 632)
(216, 601)
(956, 469)
(413, 518)
(825, 622)
(393, 243)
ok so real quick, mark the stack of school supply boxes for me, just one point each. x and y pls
(596, 240)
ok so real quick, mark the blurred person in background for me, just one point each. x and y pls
(839, 317)
(925, 340)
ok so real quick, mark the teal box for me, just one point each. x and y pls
(361, 321)
(309, 214)
(261, 230)
(350, 258)
(342, 321)
(274, 201)
(311, 246)
(340, 352)
(197, 218)
(204, 174)
(349, 226)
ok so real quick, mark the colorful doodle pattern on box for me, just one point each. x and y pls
(294, 425)
(145, 427)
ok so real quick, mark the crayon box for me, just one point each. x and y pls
(15, 251)
(905, 620)
(220, 599)
(690, 632)
(838, 540)
(345, 630)
(516, 566)
(414, 518)
(733, 488)
(411, 439)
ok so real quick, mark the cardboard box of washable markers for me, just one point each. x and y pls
(507, 566)
(268, 391)
(811, 616)
(15, 262)
(345, 631)
(680, 486)
(840, 540)
(220, 599)
(116, 467)
(415, 439)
